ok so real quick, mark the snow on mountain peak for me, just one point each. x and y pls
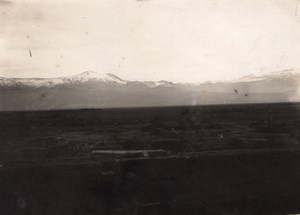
(91, 76)
(160, 83)
(94, 76)
(248, 78)
(50, 82)
(283, 75)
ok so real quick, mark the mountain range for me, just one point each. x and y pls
(97, 90)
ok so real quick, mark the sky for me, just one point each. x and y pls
(174, 40)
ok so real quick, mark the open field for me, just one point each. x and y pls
(226, 159)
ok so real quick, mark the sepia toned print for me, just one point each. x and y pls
(149, 107)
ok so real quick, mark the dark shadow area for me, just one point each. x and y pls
(215, 159)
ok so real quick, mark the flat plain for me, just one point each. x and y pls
(212, 159)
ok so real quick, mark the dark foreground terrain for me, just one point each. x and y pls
(227, 159)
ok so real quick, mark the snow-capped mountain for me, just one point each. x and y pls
(248, 78)
(284, 75)
(50, 82)
(93, 76)
(287, 75)
(30, 82)
(90, 76)
(99, 90)
(159, 83)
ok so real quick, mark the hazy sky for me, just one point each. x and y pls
(176, 40)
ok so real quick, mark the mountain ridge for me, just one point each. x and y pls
(91, 76)
(98, 90)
